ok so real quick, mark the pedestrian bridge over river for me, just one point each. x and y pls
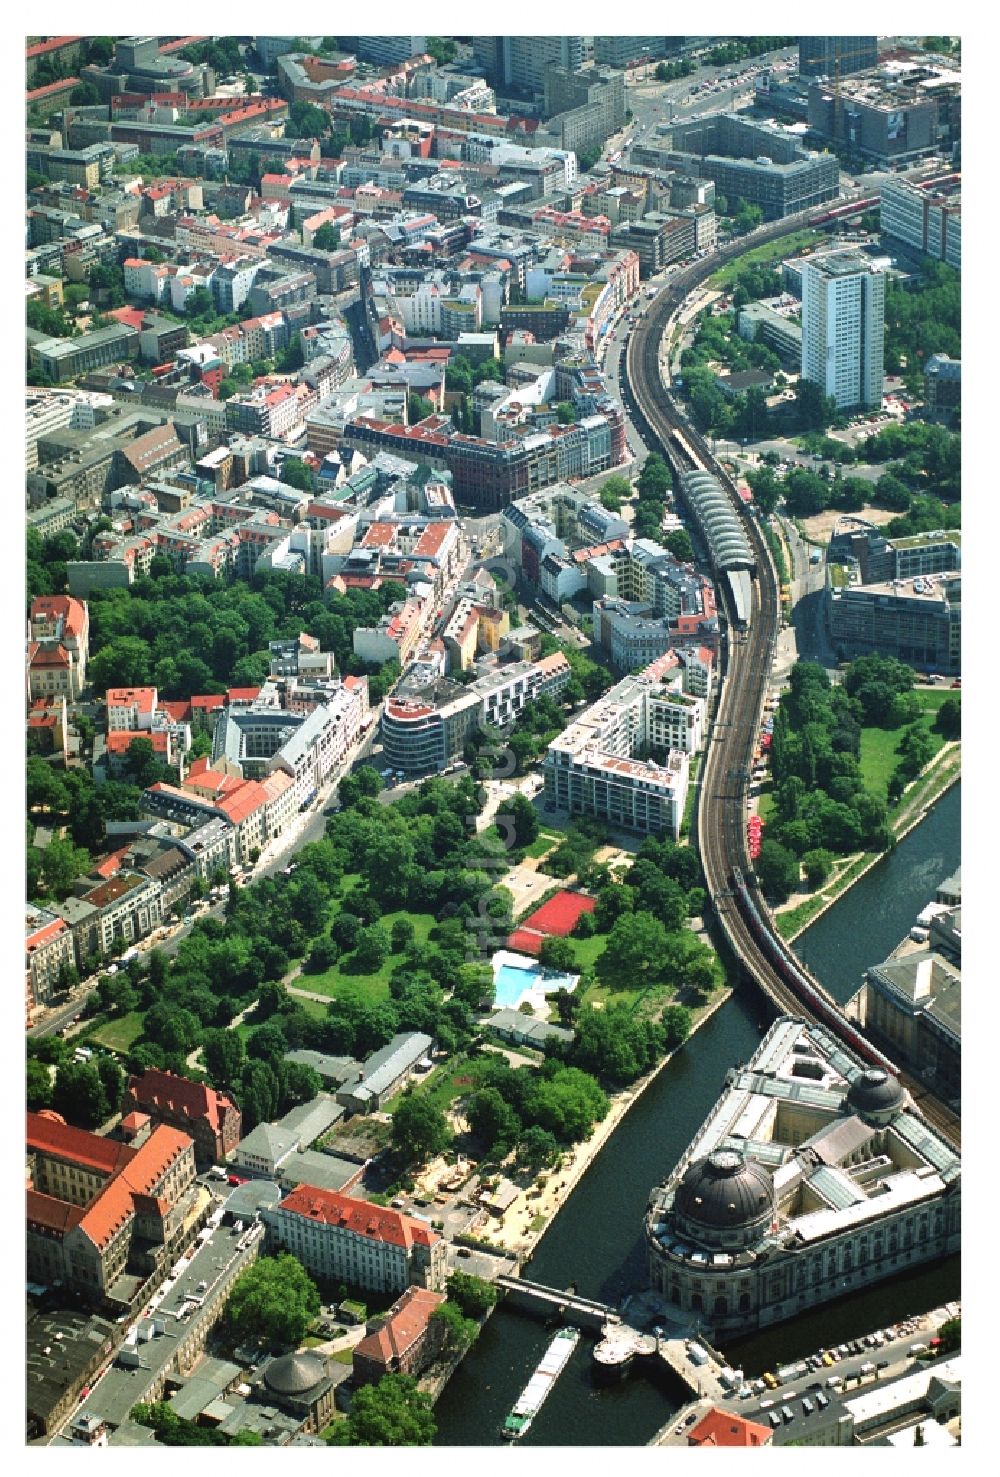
(581, 1311)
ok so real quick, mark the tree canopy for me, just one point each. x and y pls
(275, 1300)
(391, 1413)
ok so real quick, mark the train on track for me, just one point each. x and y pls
(796, 980)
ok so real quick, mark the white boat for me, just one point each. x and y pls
(536, 1391)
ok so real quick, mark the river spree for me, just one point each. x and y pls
(867, 923)
(597, 1242)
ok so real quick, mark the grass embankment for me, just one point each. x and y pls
(774, 251)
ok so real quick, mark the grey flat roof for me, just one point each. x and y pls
(313, 1167)
(383, 1067)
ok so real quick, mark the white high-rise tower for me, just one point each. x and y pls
(843, 327)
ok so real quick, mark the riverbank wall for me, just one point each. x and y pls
(587, 1152)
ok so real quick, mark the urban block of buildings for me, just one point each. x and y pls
(596, 766)
(103, 1217)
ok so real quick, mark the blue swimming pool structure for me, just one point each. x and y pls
(517, 977)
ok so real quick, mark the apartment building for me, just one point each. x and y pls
(121, 910)
(48, 947)
(590, 768)
(427, 721)
(395, 637)
(58, 647)
(843, 328)
(521, 62)
(341, 1239)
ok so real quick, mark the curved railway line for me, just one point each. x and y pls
(748, 653)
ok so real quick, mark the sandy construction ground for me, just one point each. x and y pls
(821, 527)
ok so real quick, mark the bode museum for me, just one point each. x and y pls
(813, 1175)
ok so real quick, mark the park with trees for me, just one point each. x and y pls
(841, 757)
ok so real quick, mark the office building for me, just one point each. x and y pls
(894, 115)
(833, 56)
(942, 388)
(386, 51)
(813, 1176)
(918, 621)
(843, 328)
(925, 214)
(521, 62)
(626, 51)
(341, 1239)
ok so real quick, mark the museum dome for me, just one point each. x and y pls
(294, 1374)
(875, 1092)
(725, 1191)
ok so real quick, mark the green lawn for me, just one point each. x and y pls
(878, 757)
(544, 841)
(878, 745)
(444, 1084)
(588, 951)
(931, 698)
(339, 980)
(119, 1034)
(315, 1008)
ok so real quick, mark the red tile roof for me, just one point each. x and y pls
(723, 1428)
(47, 1136)
(49, 1214)
(177, 712)
(243, 694)
(48, 656)
(375, 1221)
(142, 698)
(406, 1323)
(110, 864)
(144, 1168)
(249, 797)
(51, 89)
(121, 741)
(45, 934)
(158, 1090)
(41, 48)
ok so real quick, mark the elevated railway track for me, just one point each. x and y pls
(747, 657)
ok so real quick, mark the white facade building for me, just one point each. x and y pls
(342, 1239)
(590, 769)
(843, 328)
